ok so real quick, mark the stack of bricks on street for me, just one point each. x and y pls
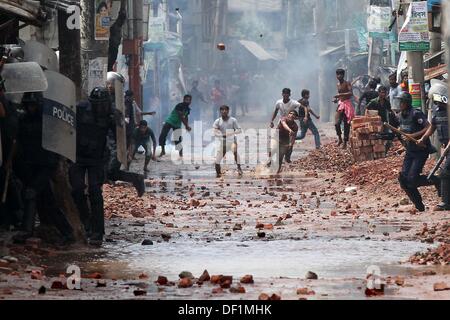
(365, 146)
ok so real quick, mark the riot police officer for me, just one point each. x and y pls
(439, 124)
(113, 167)
(414, 122)
(35, 167)
(95, 118)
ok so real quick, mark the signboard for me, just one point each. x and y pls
(103, 11)
(98, 71)
(379, 21)
(156, 27)
(415, 89)
(414, 35)
(433, 2)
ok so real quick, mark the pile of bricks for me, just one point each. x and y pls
(365, 146)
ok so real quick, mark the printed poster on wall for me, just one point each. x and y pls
(103, 12)
(379, 21)
(98, 71)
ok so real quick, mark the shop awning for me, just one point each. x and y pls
(332, 50)
(436, 72)
(259, 52)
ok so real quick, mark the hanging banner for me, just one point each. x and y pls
(102, 19)
(379, 21)
(414, 35)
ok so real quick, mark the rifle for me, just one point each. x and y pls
(403, 134)
(439, 163)
(8, 166)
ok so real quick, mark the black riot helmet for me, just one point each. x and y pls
(100, 101)
(32, 102)
(99, 95)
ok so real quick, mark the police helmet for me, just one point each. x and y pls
(406, 97)
(99, 95)
(113, 76)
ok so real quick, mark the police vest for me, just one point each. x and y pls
(441, 122)
(30, 142)
(91, 136)
(409, 125)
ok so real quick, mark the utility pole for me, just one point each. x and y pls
(291, 19)
(375, 56)
(320, 32)
(69, 66)
(220, 29)
(132, 47)
(416, 72)
(435, 47)
(69, 51)
(90, 48)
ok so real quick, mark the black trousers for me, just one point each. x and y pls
(113, 166)
(10, 211)
(411, 177)
(342, 118)
(39, 198)
(165, 132)
(92, 214)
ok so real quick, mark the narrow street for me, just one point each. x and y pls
(276, 229)
(141, 144)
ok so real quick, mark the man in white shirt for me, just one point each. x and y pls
(225, 129)
(394, 92)
(284, 107)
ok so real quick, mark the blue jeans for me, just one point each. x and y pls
(309, 125)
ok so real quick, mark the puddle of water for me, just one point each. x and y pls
(287, 258)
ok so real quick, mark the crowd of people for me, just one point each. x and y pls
(27, 169)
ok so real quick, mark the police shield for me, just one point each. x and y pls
(59, 116)
(24, 77)
(120, 125)
(38, 52)
(437, 87)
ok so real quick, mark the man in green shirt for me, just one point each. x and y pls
(381, 104)
(178, 116)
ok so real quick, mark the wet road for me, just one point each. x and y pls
(274, 228)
